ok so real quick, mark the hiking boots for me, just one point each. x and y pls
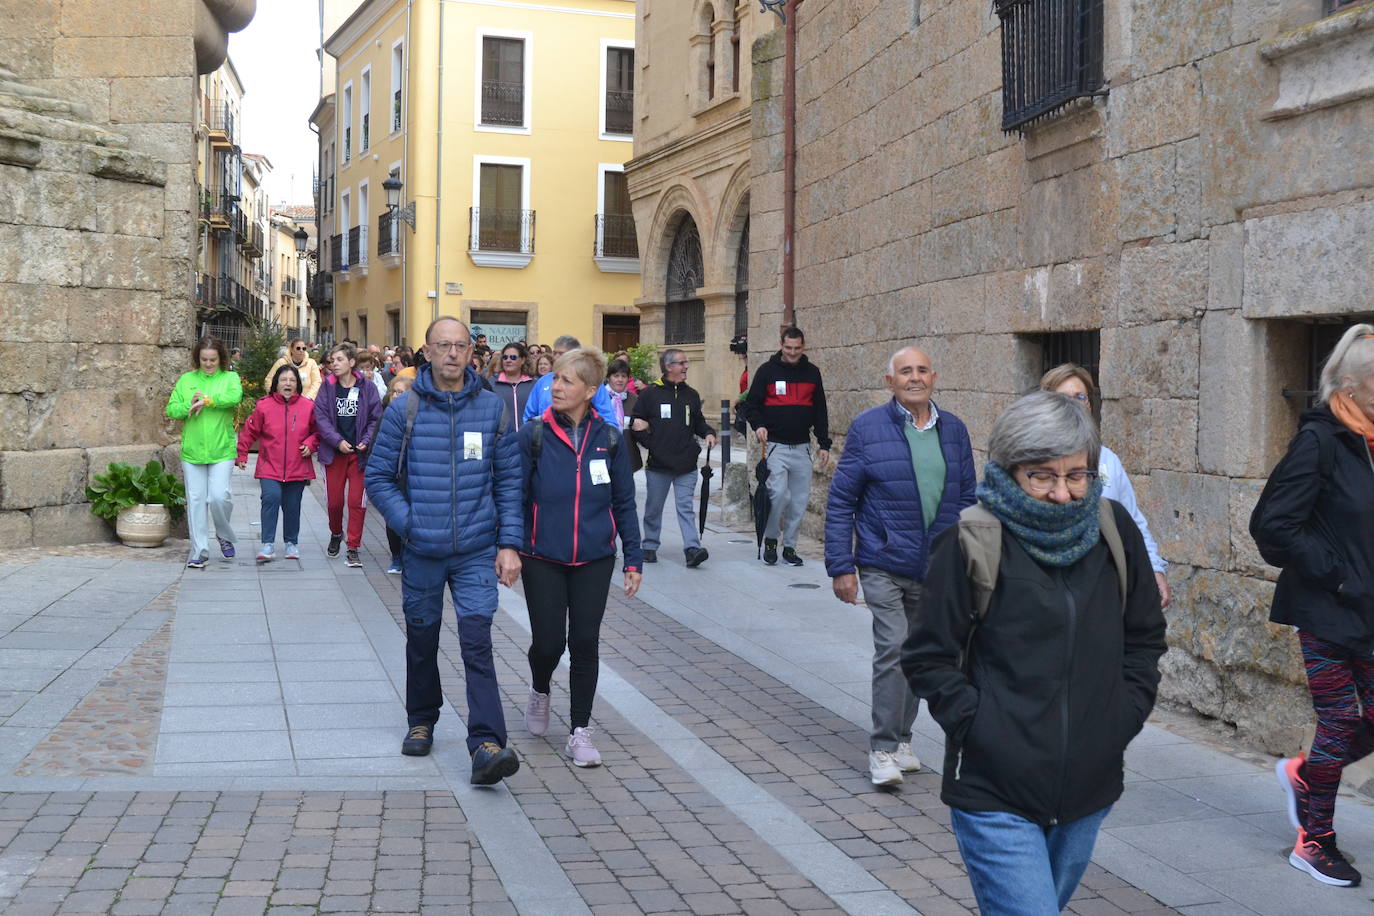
(418, 741)
(492, 763)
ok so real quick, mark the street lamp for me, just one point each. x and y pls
(405, 214)
(302, 240)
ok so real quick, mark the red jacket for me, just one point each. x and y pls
(280, 428)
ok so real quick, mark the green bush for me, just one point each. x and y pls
(123, 485)
(644, 362)
(261, 348)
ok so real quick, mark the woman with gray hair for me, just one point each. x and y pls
(1041, 678)
(1313, 521)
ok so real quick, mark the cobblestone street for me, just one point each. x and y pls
(225, 741)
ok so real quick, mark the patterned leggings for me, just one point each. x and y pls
(1341, 682)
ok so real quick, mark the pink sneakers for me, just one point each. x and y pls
(580, 749)
(537, 713)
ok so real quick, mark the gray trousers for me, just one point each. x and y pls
(789, 489)
(894, 600)
(684, 486)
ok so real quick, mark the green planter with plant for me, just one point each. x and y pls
(141, 502)
(644, 362)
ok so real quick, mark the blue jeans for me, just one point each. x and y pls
(1019, 868)
(286, 497)
(656, 484)
(471, 579)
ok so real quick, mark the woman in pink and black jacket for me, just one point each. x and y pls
(579, 495)
(283, 425)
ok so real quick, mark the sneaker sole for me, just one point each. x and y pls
(695, 562)
(884, 783)
(585, 763)
(1287, 786)
(354, 565)
(412, 751)
(266, 559)
(915, 769)
(506, 766)
(1302, 864)
(538, 733)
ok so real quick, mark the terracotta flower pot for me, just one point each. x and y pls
(144, 525)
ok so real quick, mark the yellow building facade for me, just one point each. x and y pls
(521, 218)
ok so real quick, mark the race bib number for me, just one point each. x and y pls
(780, 388)
(665, 411)
(601, 474)
(472, 446)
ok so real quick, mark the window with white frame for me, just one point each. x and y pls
(397, 76)
(365, 108)
(502, 223)
(617, 90)
(615, 223)
(345, 224)
(503, 81)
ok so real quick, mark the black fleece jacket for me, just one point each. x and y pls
(1059, 682)
(673, 412)
(788, 400)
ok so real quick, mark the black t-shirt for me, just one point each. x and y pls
(346, 404)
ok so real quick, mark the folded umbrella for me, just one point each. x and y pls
(760, 500)
(706, 474)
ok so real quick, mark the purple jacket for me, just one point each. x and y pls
(327, 424)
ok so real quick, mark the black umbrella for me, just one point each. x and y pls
(762, 503)
(707, 472)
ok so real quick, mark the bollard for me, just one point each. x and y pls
(725, 432)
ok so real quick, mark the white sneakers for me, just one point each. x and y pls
(885, 768)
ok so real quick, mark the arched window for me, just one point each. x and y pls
(742, 282)
(684, 315)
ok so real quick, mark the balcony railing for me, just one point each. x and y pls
(620, 111)
(367, 120)
(501, 230)
(219, 118)
(615, 236)
(348, 144)
(336, 250)
(253, 242)
(205, 291)
(234, 296)
(357, 247)
(503, 103)
(290, 286)
(388, 238)
(396, 111)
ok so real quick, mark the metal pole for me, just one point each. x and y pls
(725, 433)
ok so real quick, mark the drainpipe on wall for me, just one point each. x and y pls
(789, 169)
(439, 173)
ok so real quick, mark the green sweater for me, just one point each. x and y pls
(929, 463)
(208, 437)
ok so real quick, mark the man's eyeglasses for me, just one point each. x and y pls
(443, 346)
(1045, 481)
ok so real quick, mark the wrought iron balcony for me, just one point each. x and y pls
(396, 111)
(336, 251)
(503, 103)
(500, 238)
(620, 111)
(290, 286)
(357, 251)
(205, 291)
(367, 118)
(219, 121)
(389, 239)
(615, 236)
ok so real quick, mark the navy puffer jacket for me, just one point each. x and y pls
(874, 515)
(455, 504)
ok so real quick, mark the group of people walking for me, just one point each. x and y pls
(1027, 608)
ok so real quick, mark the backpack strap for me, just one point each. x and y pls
(1106, 519)
(980, 539)
(402, 465)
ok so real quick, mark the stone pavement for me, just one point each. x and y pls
(225, 741)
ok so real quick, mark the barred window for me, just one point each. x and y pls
(684, 315)
(1051, 54)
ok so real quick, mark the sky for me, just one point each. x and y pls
(275, 58)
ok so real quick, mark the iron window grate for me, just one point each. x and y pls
(1051, 55)
(684, 322)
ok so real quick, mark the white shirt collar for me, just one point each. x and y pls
(911, 418)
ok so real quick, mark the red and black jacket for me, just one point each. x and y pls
(788, 399)
(569, 518)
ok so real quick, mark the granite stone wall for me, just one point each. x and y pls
(1205, 215)
(97, 243)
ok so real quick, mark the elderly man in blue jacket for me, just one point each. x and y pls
(455, 496)
(906, 473)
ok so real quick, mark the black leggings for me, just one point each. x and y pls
(566, 604)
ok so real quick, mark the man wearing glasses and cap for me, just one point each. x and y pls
(296, 356)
